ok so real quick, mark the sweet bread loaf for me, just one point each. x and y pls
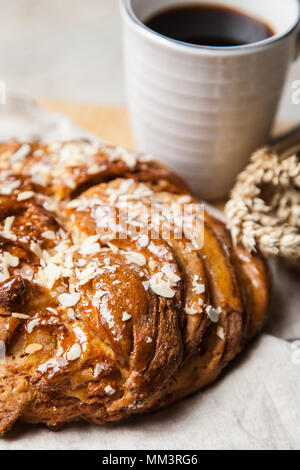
(103, 316)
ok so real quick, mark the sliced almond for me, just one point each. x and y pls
(8, 188)
(8, 223)
(161, 287)
(220, 332)
(69, 300)
(25, 195)
(213, 313)
(36, 249)
(126, 316)
(143, 241)
(98, 369)
(169, 273)
(74, 352)
(190, 311)
(20, 154)
(198, 287)
(10, 260)
(136, 258)
(32, 324)
(109, 390)
(22, 316)
(33, 348)
(49, 234)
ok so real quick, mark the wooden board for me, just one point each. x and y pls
(109, 122)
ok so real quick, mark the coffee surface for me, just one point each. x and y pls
(205, 25)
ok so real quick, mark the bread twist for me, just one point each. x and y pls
(101, 316)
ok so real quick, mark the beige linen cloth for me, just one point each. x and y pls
(255, 404)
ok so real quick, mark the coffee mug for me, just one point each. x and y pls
(203, 110)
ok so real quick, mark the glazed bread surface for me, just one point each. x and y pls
(103, 316)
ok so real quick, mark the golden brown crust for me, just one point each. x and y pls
(98, 325)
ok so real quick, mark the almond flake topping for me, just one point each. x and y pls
(49, 234)
(8, 188)
(143, 241)
(99, 294)
(52, 273)
(109, 390)
(198, 287)
(186, 199)
(94, 168)
(36, 249)
(20, 154)
(74, 352)
(40, 173)
(4, 273)
(10, 260)
(220, 332)
(71, 314)
(33, 348)
(136, 258)
(32, 324)
(128, 157)
(213, 313)
(152, 265)
(74, 204)
(90, 246)
(161, 287)
(171, 276)
(69, 264)
(126, 316)
(52, 310)
(190, 311)
(22, 316)
(125, 186)
(69, 300)
(113, 247)
(25, 195)
(98, 369)
(81, 262)
(86, 274)
(96, 302)
(8, 223)
(146, 285)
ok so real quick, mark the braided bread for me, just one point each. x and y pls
(100, 321)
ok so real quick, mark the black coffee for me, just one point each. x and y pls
(209, 26)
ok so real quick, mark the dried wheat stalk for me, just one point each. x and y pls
(264, 209)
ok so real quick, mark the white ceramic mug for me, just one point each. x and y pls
(203, 110)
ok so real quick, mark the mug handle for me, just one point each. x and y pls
(287, 140)
(297, 45)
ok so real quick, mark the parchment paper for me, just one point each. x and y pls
(255, 404)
